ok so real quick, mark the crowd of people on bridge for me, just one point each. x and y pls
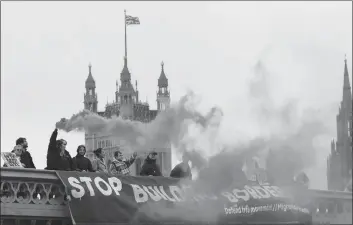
(58, 158)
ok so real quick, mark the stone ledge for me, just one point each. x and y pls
(32, 193)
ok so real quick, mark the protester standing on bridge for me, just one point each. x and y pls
(98, 164)
(26, 157)
(150, 166)
(58, 158)
(119, 166)
(182, 170)
(80, 162)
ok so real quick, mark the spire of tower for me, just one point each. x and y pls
(346, 84)
(90, 83)
(125, 73)
(162, 80)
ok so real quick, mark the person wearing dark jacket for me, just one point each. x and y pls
(80, 162)
(58, 158)
(26, 157)
(182, 170)
(150, 167)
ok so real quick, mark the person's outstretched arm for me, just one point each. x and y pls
(131, 160)
(52, 141)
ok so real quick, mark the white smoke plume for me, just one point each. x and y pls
(287, 133)
(285, 148)
(177, 126)
(291, 134)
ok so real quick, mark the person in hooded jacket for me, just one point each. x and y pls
(150, 167)
(58, 158)
(80, 162)
(182, 170)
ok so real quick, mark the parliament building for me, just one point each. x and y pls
(339, 162)
(127, 105)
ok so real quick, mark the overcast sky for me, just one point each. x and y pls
(209, 47)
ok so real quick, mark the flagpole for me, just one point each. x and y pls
(125, 35)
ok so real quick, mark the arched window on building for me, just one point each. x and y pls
(125, 98)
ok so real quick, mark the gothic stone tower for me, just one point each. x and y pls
(91, 104)
(163, 103)
(339, 163)
(127, 106)
(126, 96)
(163, 97)
(90, 97)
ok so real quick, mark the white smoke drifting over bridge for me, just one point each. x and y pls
(288, 140)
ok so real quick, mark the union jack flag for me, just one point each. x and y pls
(130, 20)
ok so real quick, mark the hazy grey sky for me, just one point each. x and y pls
(209, 47)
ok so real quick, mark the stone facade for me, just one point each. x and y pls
(127, 105)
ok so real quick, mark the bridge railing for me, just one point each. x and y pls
(32, 195)
(35, 196)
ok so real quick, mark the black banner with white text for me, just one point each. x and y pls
(98, 198)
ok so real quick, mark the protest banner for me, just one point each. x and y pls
(98, 198)
(10, 159)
